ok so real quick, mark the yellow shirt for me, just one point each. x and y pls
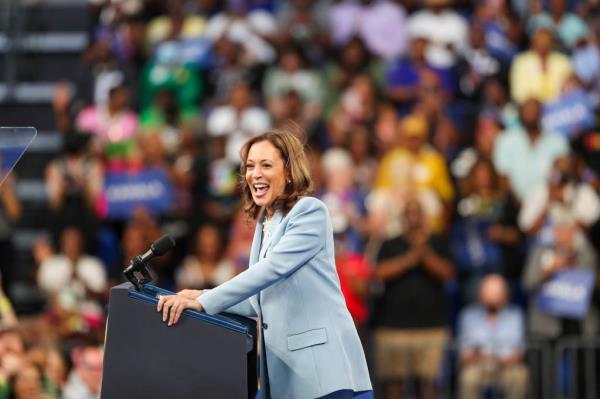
(528, 79)
(400, 169)
(423, 175)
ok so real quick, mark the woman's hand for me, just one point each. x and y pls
(192, 294)
(173, 305)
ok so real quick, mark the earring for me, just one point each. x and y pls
(289, 181)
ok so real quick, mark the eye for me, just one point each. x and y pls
(249, 166)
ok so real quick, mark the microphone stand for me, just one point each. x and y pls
(138, 273)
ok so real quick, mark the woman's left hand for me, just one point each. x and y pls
(173, 305)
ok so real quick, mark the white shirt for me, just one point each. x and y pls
(445, 28)
(225, 121)
(246, 31)
(581, 204)
(56, 273)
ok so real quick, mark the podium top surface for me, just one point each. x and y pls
(151, 293)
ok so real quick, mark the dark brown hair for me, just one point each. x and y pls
(296, 169)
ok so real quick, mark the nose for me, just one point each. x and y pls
(256, 172)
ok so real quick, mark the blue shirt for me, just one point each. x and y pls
(527, 164)
(502, 337)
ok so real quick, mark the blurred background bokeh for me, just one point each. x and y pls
(456, 144)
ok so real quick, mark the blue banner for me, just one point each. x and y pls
(150, 188)
(569, 115)
(567, 294)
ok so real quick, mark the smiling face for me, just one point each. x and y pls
(265, 173)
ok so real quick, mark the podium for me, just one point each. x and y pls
(202, 356)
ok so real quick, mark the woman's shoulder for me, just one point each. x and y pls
(308, 203)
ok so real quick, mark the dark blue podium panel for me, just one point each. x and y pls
(202, 356)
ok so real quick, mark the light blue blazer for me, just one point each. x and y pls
(312, 347)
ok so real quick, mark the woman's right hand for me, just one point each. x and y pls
(192, 294)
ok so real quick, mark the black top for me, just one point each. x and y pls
(415, 299)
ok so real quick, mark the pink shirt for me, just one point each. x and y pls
(116, 128)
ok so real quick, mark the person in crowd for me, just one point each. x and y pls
(415, 166)
(410, 316)
(524, 156)
(12, 358)
(385, 129)
(168, 120)
(567, 26)
(586, 61)
(435, 105)
(229, 69)
(539, 72)
(166, 71)
(354, 271)
(404, 76)
(304, 22)
(239, 240)
(206, 266)
(487, 130)
(484, 235)
(113, 128)
(74, 184)
(357, 106)
(503, 29)
(55, 371)
(27, 383)
(562, 195)
(85, 377)
(354, 59)
(569, 249)
(361, 146)
(496, 102)
(75, 284)
(381, 24)
(238, 120)
(254, 30)
(445, 30)
(491, 338)
(292, 72)
(345, 203)
(478, 62)
(175, 24)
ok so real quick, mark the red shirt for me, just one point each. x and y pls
(352, 266)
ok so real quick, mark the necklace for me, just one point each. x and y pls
(266, 226)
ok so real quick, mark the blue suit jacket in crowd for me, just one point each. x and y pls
(312, 347)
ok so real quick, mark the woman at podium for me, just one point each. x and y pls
(310, 346)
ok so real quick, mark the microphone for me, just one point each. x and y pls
(138, 265)
(158, 248)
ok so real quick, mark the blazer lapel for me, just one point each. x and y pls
(254, 251)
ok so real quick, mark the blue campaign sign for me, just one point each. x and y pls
(567, 294)
(569, 115)
(150, 188)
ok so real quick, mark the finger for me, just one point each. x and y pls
(161, 300)
(180, 310)
(168, 304)
(174, 310)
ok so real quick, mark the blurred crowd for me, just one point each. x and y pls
(455, 143)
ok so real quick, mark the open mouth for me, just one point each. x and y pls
(260, 189)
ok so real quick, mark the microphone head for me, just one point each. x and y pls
(162, 245)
